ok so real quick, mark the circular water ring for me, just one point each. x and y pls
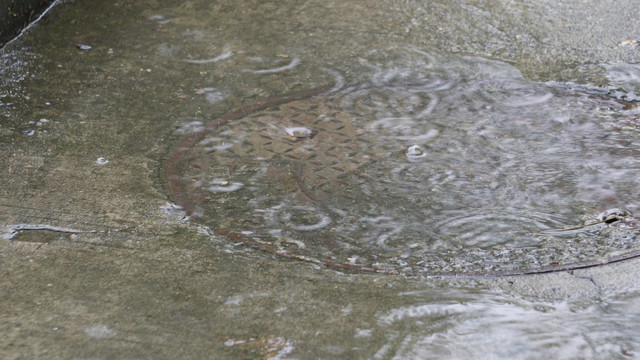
(350, 182)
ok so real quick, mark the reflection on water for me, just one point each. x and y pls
(428, 166)
(495, 327)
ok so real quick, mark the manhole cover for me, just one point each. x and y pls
(433, 176)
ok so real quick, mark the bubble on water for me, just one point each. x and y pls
(223, 185)
(415, 153)
(298, 131)
(101, 161)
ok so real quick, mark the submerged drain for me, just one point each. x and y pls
(445, 174)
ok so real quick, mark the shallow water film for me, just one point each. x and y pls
(321, 179)
(421, 170)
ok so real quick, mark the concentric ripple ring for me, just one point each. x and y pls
(356, 185)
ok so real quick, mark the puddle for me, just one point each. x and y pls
(451, 166)
(470, 332)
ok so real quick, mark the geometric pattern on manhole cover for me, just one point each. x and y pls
(348, 181)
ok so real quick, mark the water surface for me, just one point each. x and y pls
(432, 165)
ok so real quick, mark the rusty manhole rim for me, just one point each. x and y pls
(183, 198)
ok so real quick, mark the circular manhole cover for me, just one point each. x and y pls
(489, 176)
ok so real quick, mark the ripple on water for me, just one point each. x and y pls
(521, 328)
(421, 170)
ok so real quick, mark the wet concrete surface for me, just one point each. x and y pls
(106, 266)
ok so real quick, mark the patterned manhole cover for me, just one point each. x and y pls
(392, 178)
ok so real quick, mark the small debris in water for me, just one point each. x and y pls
(267, 346)
(83, 47)
(612, 215)
(628, 42)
